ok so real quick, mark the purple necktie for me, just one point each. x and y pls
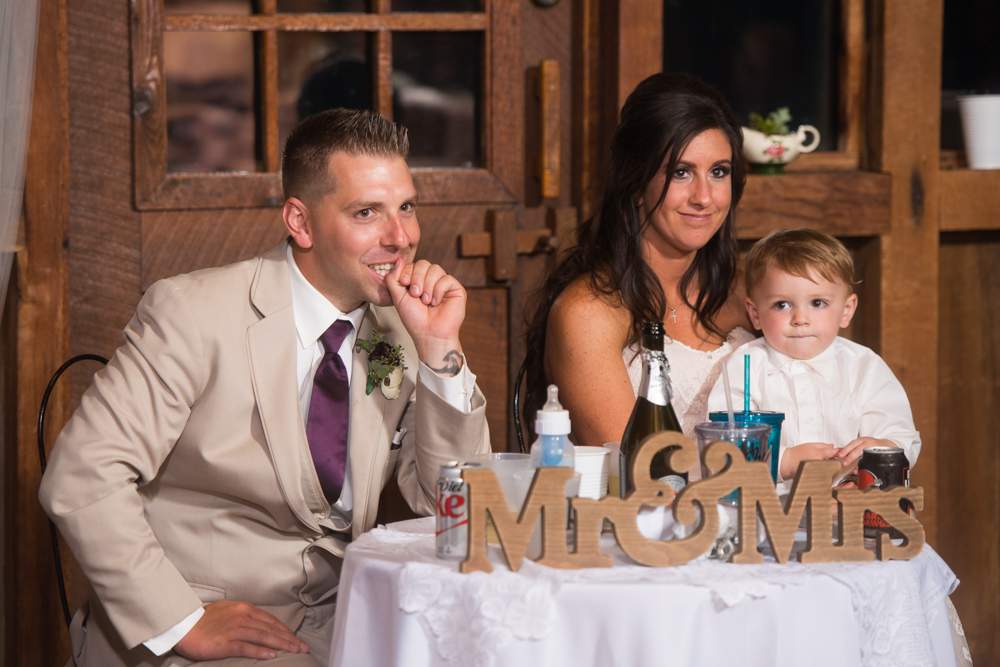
(326, 429)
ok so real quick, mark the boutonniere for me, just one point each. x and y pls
(385, 364)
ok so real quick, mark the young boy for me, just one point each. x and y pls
(838, 397)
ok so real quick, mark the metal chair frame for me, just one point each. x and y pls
(60, 579)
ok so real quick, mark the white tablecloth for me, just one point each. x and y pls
(399, 605)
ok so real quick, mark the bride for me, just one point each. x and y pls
(661, 248)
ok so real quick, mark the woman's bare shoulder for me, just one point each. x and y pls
(580, 308)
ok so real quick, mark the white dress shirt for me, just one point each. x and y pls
(844, 393)
(313, 316)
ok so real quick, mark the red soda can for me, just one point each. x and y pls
(882, 467)
(451, 513)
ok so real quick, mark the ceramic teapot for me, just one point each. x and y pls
(767, 152)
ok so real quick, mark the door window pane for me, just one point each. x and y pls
(437, 92)
(319, 71)
(323, 6)
(760, 55)
(970, 60)
(437, 5)
(209, 94)
(240, 7)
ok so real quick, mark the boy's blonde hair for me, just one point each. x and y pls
(799, 252)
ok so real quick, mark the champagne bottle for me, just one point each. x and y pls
(652, 413)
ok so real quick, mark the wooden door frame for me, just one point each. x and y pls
(39, 324)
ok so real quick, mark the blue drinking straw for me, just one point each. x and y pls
(746, 384)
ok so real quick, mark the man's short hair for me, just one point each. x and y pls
(305, 163)
(800, 252)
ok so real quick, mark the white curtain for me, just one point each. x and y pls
(18, 31)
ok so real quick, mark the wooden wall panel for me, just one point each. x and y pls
(587, 148)
(844, 203)
(970, 199)
(175, 242)
(104, 231)
(486, 324)
(969, 460)
(905, 117)
(31, 602)
(105, 234)
(440, 227)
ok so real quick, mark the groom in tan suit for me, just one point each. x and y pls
(209, 525)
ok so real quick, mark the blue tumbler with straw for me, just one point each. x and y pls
(750, 417)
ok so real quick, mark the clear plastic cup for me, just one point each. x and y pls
(772, 419)
(504, 465)
(751, 439)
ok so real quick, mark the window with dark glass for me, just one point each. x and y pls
(239, 74)
(762, 55)
(970, 60)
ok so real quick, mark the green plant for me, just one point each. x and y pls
(775, 123)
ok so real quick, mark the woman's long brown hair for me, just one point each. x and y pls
(660, 118)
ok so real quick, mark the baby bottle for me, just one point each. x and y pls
(552, 447)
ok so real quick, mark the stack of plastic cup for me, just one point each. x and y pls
(592, 464)
(981, 130)
(614, 462)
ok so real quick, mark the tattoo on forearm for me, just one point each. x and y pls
(452, 364)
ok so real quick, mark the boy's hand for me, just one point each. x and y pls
(852, 451)
(807, 451)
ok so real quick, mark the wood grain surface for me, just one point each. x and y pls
(484, 336)
(811, 494)
(334, 22)
(905, 143)
(970, 200)
(841, 203)
(41, 281)
(969, 423)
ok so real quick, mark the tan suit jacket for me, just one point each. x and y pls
(185, 476)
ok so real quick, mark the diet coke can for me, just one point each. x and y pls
(451, 513)
(882, 467)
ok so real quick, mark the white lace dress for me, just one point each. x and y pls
(692, 374)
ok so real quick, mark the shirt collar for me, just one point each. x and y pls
(824, 363)
(313, 312)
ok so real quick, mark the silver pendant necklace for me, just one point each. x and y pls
(673, 311)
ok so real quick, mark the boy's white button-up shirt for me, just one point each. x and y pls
(844, 393)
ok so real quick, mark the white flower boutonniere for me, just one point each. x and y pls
(385, 364)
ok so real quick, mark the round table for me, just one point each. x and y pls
(399, 605)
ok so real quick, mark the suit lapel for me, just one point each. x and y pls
(366, 427)
(271, 351)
